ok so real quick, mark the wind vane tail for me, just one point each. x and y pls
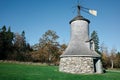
(93, 12)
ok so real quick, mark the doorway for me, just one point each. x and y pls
(95, 64)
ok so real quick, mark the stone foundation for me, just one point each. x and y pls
(76, 65)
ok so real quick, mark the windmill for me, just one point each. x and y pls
(80, 50)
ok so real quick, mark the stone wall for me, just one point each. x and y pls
(76, 65)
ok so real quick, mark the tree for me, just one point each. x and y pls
(21, 47)
(112, 57)
(49, 37)
(117, 60)
(48, 42)
(95, 38)
(6, 45)
(20, 42)
(63, 47)
(13, 46)
(105, 56)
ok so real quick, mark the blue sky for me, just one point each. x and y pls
(37, 16)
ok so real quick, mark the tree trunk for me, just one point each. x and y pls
(112, 64)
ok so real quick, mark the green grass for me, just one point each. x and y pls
(12, 71)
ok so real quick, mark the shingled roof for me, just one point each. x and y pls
(76, 50)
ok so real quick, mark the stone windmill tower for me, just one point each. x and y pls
(80, 56)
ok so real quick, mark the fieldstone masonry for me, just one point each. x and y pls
(76, 65)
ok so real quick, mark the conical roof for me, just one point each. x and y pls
(79, 17)
(79, 50)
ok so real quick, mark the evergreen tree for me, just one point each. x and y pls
(6, 38)
(24, 44)
(95, 38)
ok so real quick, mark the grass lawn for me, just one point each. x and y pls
(13, 71)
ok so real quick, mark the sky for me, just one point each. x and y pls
(35, 17)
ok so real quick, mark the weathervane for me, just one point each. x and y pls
(87, 10)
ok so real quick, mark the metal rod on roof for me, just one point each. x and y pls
(78, 9)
